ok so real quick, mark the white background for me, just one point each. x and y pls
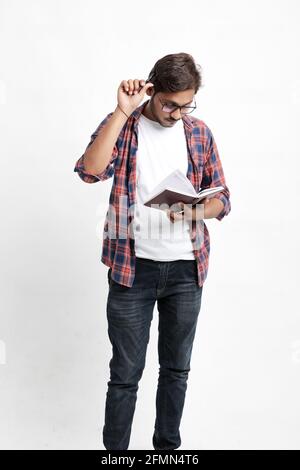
(61, 65)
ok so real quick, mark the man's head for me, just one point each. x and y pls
(176, 79)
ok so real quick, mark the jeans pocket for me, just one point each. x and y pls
(189, 270)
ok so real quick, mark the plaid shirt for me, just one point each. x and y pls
(204, 170)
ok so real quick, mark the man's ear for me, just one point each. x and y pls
(150, 91)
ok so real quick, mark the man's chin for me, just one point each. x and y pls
(167, 123)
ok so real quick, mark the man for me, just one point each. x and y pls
(140, 145)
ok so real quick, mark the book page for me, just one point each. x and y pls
(177, 180)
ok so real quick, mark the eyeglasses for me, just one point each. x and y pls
(168, 108)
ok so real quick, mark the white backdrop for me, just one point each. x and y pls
(61, 65)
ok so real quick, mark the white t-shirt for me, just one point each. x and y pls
(160, 151)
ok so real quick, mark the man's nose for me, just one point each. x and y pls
(176, 114)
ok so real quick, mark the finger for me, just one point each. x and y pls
(131, 86)
(124, 84)
(176, 216)
(170, 215)
(141, 84)
(177, 206)
(136, 86)
(146, 86)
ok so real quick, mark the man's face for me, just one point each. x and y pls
(168, 119)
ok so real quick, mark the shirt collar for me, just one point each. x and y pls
(187, 120)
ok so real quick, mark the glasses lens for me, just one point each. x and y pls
(168, 109)
(185, 110)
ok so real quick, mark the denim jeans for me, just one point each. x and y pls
(173, 284)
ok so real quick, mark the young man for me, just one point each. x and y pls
(140, 145)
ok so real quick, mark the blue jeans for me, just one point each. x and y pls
(173, 284)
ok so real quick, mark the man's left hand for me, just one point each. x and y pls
(189, 212)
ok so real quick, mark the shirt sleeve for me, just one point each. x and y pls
(108, 171)
(213, 175)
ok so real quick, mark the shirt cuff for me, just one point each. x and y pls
(226, 208)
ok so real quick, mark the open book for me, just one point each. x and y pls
(177, 187)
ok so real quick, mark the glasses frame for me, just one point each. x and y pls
(178, 107)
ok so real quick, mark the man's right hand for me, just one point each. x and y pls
(131, 93)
